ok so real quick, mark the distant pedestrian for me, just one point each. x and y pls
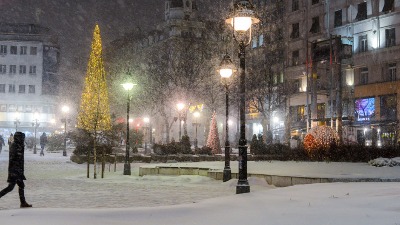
(10, 140)
(2, 142)
(43, 142)
(16, 169)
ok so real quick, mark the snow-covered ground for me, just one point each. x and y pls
(61, 194)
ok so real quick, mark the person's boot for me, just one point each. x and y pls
(25, 205)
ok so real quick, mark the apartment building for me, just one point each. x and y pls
(367, 81)
(29, 60)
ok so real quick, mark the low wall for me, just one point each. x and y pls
(276, 180)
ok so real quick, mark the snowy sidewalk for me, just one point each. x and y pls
(61, 194)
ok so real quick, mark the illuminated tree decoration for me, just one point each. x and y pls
(320, 138)
(94, 112)
(213, 137)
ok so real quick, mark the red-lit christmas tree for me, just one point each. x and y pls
(213, 137)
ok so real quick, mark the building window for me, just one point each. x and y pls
(21, 89)
(362, 11)
(388, 7)
(392, 72)
(3, 49)
(390, 35)
(22, 69)
(295, 5)
(295, 31)
(321, 110)
(295, 58)
(338, 18)
(31, 89)
(11, 88)
(315, 28)
(261, 40)
(300, 113)
(364, 75)
(313, 2)
(13, 50)
(3, 69)
(254, 44)
(23, 50)
(363, 43)
(388, 107)
(13, 69)
(2, 88)
(33, 51)
(32, 69)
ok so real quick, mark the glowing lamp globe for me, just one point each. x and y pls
(243, 16)
(226, 67)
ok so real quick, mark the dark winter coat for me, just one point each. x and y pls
(43, 139)
(16, 162)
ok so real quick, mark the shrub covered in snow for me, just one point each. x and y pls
(379, 162)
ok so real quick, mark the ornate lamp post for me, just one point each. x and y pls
(127, 165)
(65, 110)
(226, 69)
(35, 125)
(180, 106)
(242, 19)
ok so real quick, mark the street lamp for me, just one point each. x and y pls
(65, 110)
(226, 69)
(196, 115)
(180, 107)
(242, 19)
(127, 166)
(35, 125)
(17, 121)
(146, 121)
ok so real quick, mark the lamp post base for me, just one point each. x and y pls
(227, 175)
(64, 153)
(127, 169)
(34, 149)
(242, 187)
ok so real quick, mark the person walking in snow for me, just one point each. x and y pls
(16, 169)
(43, 142)
(2, 142)
(10, 140)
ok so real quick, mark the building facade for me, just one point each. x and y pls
(183, 47)
(29, 61)
(357, 95)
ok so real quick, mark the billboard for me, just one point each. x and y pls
(364, 109)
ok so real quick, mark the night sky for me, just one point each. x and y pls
(73, 21)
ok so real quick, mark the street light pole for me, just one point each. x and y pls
(226, 70)
(242, 19)
(146, 120)
(65, 109)
(180, 107)
(196, 115)
(16, 122)
(35, 129)
(127, 165)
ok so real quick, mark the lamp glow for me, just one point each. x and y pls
(225, 73)
(128, 86)
(241, 23)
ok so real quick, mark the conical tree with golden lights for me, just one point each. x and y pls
(94, 113)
